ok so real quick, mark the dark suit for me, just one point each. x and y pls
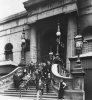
(61, 90)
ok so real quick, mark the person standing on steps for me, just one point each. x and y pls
(62, 86)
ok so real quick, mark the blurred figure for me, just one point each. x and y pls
(25, 71)
(45, 75)
(48, 66)
(40, 89)
(32, 68)
(18, 79)
(62, 86)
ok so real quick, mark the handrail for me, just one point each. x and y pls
(7, 80)
(65, 76)
(56, 77)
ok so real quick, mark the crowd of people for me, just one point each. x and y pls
(34, 73)
(38, 74)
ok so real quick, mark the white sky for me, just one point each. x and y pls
(10, 7)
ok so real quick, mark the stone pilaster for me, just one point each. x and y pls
(71, 31)
(38, 47)
(33, 44)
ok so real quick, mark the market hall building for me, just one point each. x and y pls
(39, 22)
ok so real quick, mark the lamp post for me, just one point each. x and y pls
(78, 39)
(78, 45)
(58, 33)
(23, 45)
(77, 70)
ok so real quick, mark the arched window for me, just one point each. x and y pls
(87, 35)
(8, 52)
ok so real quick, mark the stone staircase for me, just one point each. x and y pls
(31, 93)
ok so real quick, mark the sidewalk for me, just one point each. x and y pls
(14, 98)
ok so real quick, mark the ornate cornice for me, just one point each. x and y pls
(14, 17)
(42, 5)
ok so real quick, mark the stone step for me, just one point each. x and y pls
(30, 93)
(31, 88)
(27, 91)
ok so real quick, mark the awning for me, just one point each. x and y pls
(4, 63)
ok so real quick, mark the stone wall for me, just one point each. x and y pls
(10, 32)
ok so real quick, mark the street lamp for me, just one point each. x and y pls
(58, 33)
(77, 71)
(78, 45)
(57, 58)
(23, 45)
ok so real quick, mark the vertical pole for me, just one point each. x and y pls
(23, 54)
(57, 50)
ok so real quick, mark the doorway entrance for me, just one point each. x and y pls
(48, 44)
(47, 31)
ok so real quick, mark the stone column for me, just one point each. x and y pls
(33, 44)
(71, 31)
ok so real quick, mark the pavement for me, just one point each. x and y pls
(14, 98)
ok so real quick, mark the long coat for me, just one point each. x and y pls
(17, 80)
(61, 90)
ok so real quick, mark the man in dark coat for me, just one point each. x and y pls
(62, 86)
(17, 77)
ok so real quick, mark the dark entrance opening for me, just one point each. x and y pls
(47, 30)
(48, 44)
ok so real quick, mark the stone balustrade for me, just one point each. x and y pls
(7, 80)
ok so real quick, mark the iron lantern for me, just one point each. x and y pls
(78, 42)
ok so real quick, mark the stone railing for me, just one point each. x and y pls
(57, 77)
(7, 80)
(63, 75)
(74, 89)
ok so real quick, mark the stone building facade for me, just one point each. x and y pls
(35, 24)
(39, 21)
